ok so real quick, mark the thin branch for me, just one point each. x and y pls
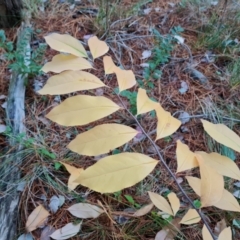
(168, 169)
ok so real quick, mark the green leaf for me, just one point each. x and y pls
(57, 165)
(130, 199)
(197, 203)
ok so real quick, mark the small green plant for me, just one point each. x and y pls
(30, 143)
(160, 54)
(132, 98)
(234, 70)
(132, 201)
(16, 58)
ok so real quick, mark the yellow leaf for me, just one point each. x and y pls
(62, 62)
(109, 66)
(97, 47)
(212, 184)
(222, 134)
(116, 172)
(195, 184)
(36, 218)
(144, 103)
(81, 110)
(185, 158)
(102, 139)
(227, 202)
(66, 43)
(206, 234)
(226, 234)
(167, 124)
(221, 164)
(85, 210)
(190, 217)
(125, 78)
(161, 203)
(174, 201)
(71, 81)
(74, 173)
(144, 210)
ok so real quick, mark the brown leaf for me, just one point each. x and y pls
(46, 232)
(144, 210)
(220, 226)
(36, 218)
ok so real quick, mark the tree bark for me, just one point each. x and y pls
(10, 166)
(10, 13)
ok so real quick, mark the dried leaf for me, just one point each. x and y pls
(179, 39)
(85, 210)
(174, 201)
(144, 103)
(2, 97)
(206, 234)
(2, 128)
(109, 66)
(61, 200)
(237, 184)
(81, 110)
(4, 105)
(146, 54)
(62, 62)
(126, 78)
(36, 218)
(227, 202)
(75, 172)
(21, 186)
(226, 234)
(102, 139)
(222, 134)
(191, 217)
(221, 164)
(144, 210)
(65, 43)
(71, 81)
(212, 184)
(146, 65)
(185, 158)
(173, 228)
(54, 203)
(221, 225)
(161, 203)
(161, 235)
(167, 124)
(146, 11)
(113, 173)
(26, 236)
(184, 117)
(237, 194)
(97, 47)
(47, 231)
(66, 232)
(184, 87)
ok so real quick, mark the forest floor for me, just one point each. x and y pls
(197, 77)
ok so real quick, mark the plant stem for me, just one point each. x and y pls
(169, 170)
